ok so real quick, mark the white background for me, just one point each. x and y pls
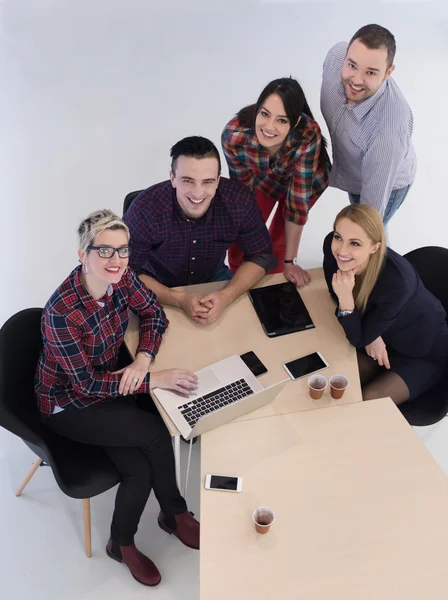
(95, 92)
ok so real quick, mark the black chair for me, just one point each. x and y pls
(129, 199)
(81, 471)
(431, 263)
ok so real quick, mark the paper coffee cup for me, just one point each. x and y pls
(263, 518)
(317, 385)
(338, 385)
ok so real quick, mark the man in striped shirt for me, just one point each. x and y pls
(369, 120)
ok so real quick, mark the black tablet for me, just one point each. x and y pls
(280, 309)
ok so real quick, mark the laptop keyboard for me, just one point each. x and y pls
(208, 403)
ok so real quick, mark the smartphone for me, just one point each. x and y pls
(253, 363)
(306, 365)
(223, 483)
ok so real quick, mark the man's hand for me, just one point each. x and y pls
(377, 350)
(215, 303)
(296, 274)
(192, 306)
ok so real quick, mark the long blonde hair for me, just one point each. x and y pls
(370, 220)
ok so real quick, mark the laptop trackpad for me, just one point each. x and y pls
(206, 381)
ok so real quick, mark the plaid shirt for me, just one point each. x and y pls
(299, 173)
(179, 251)
(82, 337)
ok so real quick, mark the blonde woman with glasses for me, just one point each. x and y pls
(84, 396)
(398, 327)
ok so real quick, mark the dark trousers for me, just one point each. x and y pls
(139, 445)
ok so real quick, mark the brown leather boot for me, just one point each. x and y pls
(141, 567)
(187, 529)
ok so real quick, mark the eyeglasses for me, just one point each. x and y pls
(108, 251)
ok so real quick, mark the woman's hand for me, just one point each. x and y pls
(174, 379)
(296, 274)
(343, 283)
(133, 374)
(377, 350)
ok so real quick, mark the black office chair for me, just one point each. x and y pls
(80, 470)
(431, 264)
(129, 199)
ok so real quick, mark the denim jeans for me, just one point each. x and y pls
(395, 201)
(222, 274)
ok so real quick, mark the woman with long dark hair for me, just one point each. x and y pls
(275, 147)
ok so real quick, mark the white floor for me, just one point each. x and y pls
(94, 93)
(42, 544)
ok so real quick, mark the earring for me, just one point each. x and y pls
(85, 268)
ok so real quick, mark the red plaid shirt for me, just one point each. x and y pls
(82, 338)
(299, 173)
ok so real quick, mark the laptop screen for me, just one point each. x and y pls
(280, 309)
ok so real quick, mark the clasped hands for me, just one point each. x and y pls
(204, 309)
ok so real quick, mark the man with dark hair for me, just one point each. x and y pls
(369, 120)
(182, 228)
(197, 147)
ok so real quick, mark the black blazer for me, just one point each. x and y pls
(400, 309)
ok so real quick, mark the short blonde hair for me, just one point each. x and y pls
(370, 220)
(96, 223)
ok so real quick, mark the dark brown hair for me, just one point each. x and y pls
(195, 146)
(293, 98)
(294, 101)
(375, 37)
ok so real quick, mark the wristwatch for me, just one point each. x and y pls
(146, 354)
(344, 313)
(293, 261)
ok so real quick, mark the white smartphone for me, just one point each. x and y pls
(223, 483)
(301, 367)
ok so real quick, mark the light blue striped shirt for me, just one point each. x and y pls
(372, 148)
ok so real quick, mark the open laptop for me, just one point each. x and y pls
(226, 390)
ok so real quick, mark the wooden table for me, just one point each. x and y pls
(191, 346)
(360, 505)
